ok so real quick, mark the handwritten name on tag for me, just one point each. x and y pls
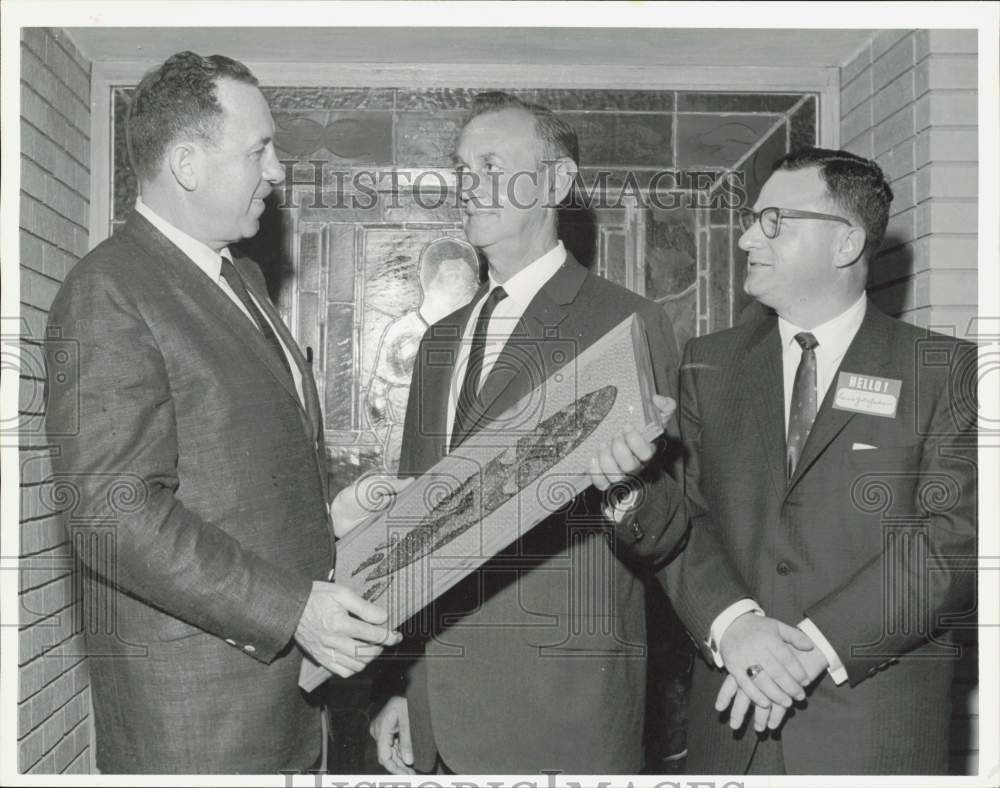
(867, 394)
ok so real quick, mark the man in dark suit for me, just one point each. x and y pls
(832, 450)
(192, 442)
(536, 661)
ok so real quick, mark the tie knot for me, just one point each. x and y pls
(497, 294)
(228, 270)
(806, 340)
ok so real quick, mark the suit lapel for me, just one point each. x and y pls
(191, 280)
(438, 368)
(255, 340)
(762, 367)
(531, 355)
(309, 393)
(869, 351)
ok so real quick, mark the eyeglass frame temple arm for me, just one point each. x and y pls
(792, 213)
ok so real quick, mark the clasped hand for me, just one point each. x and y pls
(790, 662)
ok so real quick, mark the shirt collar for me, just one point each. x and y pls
(523, 286)
(835, 334)
(207, 259)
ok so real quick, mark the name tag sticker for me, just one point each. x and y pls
(867, 394)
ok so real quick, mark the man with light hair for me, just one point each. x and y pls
(536, 661)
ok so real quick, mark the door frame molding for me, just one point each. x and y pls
(107, 75)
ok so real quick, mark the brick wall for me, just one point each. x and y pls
(908, 99)
(53, 720)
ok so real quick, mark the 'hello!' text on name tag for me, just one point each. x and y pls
(867, 394)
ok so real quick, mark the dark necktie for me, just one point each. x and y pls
(466, 414)
(232, 276)
(802, 412)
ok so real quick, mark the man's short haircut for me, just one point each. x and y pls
(557, 137)
(174, 101)
(857, 185)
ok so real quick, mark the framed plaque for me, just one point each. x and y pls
(501, 482)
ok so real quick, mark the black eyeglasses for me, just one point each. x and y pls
(770, 219)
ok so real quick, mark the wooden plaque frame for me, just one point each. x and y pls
(501, 482)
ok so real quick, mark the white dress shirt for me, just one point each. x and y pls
(833, 338)
(210, 264)
(521, 290)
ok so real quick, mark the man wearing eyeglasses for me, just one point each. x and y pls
(832, 450)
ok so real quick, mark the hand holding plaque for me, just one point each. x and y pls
(627, 453)
(507, 477)
(341, 631)
(364, 499)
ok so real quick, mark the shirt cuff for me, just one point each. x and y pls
(836, 668)
(722, 622)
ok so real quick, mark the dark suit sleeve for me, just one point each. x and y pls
(655, 528)
(896, 602)
(702, 582)
(409, 462)
(121, 466)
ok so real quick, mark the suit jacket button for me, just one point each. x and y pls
(249, 649)
(230, 641)
(784, 569)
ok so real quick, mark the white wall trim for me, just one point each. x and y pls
(825, 81)
(762, 78)
(100, 154)
(829, 110)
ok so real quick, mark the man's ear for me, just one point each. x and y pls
(182, 159)
(561, 174)
(850, 247)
